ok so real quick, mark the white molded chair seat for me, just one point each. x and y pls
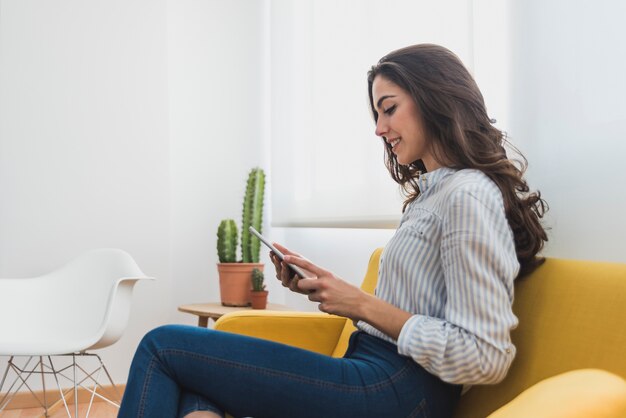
(82, 306)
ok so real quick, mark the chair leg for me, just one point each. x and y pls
(87, 381)
(55, 374)
(90, 381)
(24, 370)
(96, 382)
(4, 378)
(117, 392)
(75, 387)
(43, 385)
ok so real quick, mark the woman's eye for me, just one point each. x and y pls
(390, 110)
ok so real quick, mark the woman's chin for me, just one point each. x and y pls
(402, 161)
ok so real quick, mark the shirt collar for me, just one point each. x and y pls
(428, 180)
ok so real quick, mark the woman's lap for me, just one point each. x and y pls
(178, 366)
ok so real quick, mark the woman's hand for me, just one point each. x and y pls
(335, 296)
(286, 275)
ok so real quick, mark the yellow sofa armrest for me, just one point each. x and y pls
(312, 331)
(577, 394)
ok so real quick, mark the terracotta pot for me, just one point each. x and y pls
(236, 283)
(259, 299)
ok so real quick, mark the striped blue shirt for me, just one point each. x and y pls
(452, 263)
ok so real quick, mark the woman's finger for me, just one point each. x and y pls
(293, 285)
(275, 261)
(277, 265)
(287, 275)
(285, 250)
(309, 285)
(305, 264)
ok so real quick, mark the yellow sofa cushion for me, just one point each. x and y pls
(576, 394)
(312, 331)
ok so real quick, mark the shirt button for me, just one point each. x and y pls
(508, 351)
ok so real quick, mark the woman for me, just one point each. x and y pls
(441, 317)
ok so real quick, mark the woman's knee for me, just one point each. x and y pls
(160, 336)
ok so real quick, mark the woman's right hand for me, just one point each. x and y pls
(286, 275)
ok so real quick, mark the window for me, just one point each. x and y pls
(327, 165)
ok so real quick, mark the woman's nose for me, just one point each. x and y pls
(381, 128)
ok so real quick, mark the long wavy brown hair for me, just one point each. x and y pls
(462, 135)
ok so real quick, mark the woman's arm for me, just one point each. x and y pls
(471, 342)
(337, 297)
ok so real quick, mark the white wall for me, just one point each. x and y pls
(128, 124)
(217, 132)
(568, 114)
(84, 144)
(322, 128)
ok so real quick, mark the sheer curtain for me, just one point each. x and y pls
(327, 167)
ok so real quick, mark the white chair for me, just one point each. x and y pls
(82, 306)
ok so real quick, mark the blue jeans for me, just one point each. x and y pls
(180, 369)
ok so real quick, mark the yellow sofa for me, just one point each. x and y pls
(571, 342)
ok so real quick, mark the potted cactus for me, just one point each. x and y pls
(259, 294)
(235, 276)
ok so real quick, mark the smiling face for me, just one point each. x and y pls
(400, 124)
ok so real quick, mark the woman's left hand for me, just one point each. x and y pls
(335, 296)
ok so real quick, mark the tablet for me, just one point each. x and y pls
(280, 255)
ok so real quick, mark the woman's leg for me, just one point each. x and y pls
(252, 377)
(190, 402)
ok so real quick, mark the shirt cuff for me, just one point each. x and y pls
(404, 340)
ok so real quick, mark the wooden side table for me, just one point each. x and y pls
(214, 310)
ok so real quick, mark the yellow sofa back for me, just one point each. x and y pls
(572, 315)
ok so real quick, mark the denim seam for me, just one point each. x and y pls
(144, 391)
(420, 409)
(268, 372)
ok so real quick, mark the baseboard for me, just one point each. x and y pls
(24, 400)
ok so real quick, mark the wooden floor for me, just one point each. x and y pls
(98, 410)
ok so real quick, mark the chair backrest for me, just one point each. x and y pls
(84, 304)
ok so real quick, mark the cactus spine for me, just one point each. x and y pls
(227, 241)
(252, 216)
(257, 280)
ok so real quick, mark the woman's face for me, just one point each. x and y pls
(400, 124)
